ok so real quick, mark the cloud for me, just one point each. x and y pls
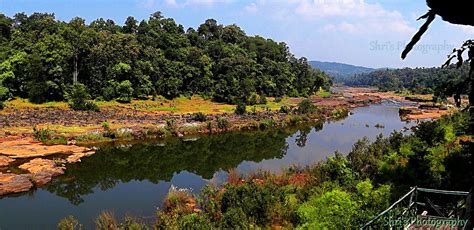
(186, 3)
(363, 17)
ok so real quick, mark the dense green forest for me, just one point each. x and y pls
(441, 81)
(41, 58)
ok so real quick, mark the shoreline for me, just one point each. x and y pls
(26, 163)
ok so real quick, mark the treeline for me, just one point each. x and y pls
(41, 58)
(441, 81)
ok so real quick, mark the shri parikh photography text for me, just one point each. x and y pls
(425, 222)
(398, 46)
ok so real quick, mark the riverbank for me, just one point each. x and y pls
(64, 131)
(339, 192)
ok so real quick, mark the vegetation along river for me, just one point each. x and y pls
(132, 179)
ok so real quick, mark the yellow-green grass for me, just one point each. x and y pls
(180, 105)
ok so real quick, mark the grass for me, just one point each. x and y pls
(323, 93)
(179, 105)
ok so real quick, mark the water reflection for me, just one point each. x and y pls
(160, 161)
(133, 179)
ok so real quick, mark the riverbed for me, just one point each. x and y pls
(133, 178)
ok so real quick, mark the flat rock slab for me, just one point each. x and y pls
(77, 157)
(28, 148)
(5, 161)
(13, 183)
(39, 165)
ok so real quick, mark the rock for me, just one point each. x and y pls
(5, 161)
(13, 183)
(28, 148)
(77, 157)
(41, 178)
(38, 165)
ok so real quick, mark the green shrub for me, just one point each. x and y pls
(132, 224)
(2, 105)
(252, 99)
(278, 99)
(106, 221)
(262, 99)
(125, 91)
(223, 123)
(79, 99)
(199, 116)
(240, 109)
(194, 221)
(42, 135)
(234, 218)
(266, 123)
(284, 109)
(306, 106)
(332, 210)
(254, 200)
(171, 124)
(69, 223)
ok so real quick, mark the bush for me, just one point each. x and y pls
(306, 107)
(240, 109)
(79, 99)
(125, 91)
(284, 109)
(332, 210)
(234, 218)
(223, 123)
(69, 223)
(199, 116)
(2, 105)
(42, 135)
(106, 221)
(252, 99)
(278, 99)
(262, 100)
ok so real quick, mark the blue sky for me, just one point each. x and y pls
(361, 32)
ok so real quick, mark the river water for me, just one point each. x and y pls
(132, 179)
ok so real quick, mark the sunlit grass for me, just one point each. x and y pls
(179, 105)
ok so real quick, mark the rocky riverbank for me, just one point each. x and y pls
(26, 163)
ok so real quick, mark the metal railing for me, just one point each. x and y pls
(421, 203)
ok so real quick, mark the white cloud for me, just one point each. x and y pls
(207, 3)
(363, 17)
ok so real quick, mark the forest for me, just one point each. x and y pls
(443, 82)
(44, 59)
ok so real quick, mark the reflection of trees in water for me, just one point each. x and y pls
(302, 136)
(149, 161)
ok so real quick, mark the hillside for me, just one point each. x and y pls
(335, 69)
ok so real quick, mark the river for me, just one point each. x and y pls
(132, 179)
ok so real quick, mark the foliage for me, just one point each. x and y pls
(306, 106)
(443, 82)
(69, 223)
(334, 209)
(285, 109)
(106, 221)
(42, 57)
(240, 109)
(223, 123)
(199, 116)
(79, 99)
(42, 135)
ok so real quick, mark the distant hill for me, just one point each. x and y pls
(338, 70)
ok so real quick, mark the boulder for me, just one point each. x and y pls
(38, 165)
(5, 161)
(13, 183)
